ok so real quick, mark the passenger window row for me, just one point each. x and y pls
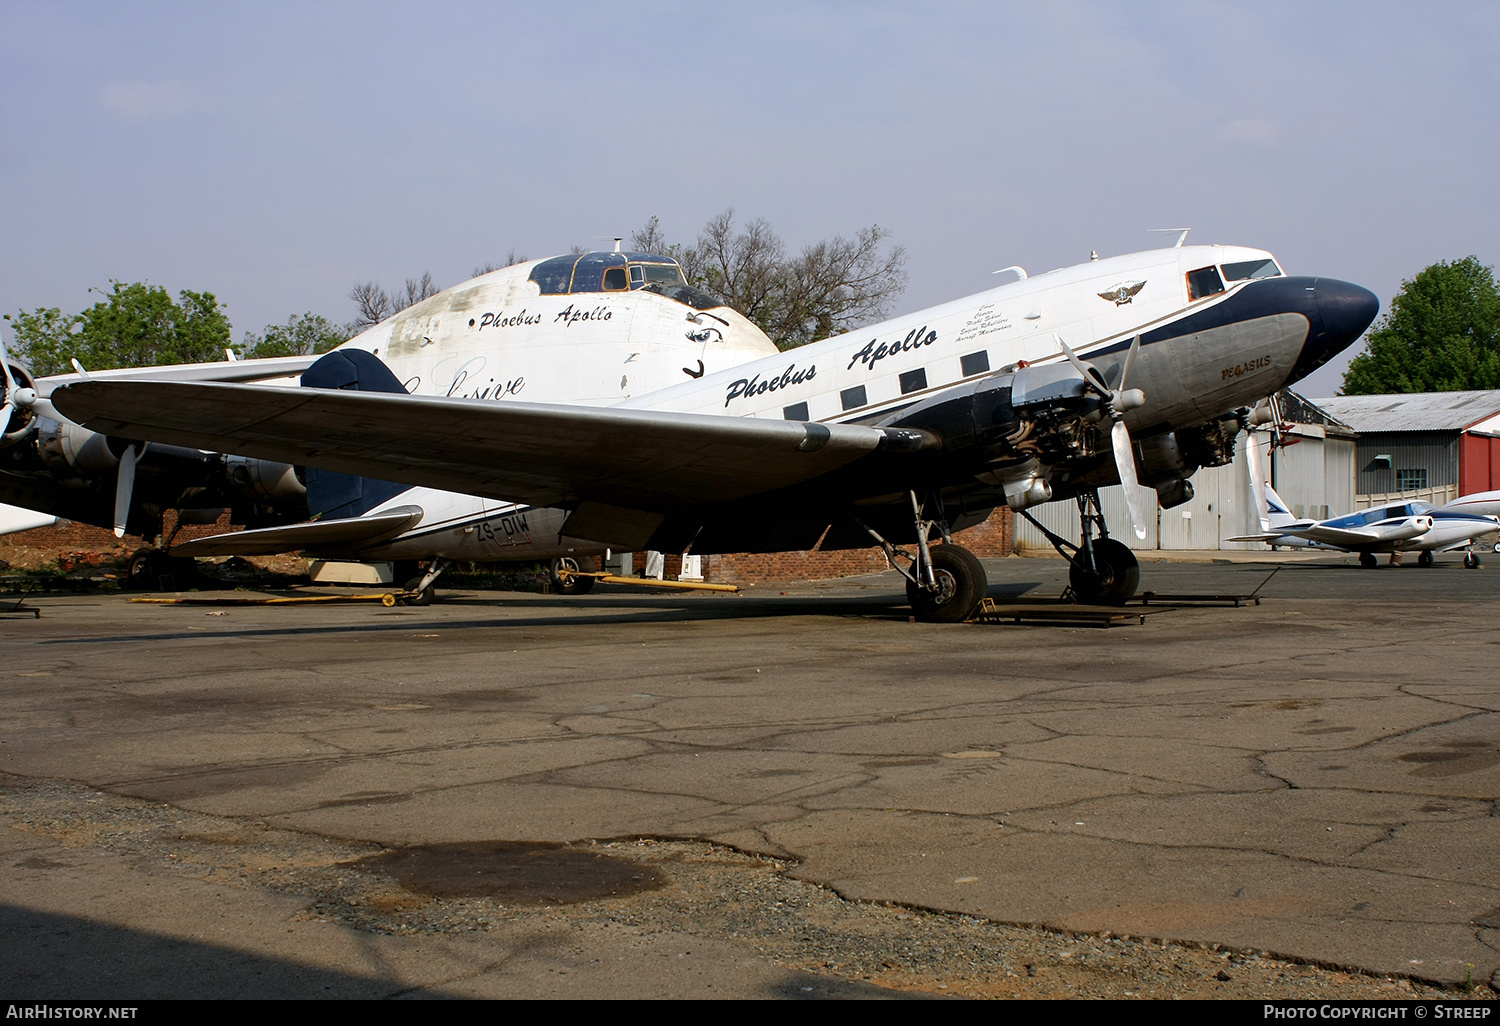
(911, 381)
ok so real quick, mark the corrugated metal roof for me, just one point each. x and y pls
(1413, 411)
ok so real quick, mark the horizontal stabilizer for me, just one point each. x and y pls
(352, 532)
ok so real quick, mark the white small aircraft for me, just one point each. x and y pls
(917, 426)
(1479, 503)
(1400, 527)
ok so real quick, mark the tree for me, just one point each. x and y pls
(830, 287)
(375, 304)
(299, 336)
(1442, 334)
(135, 325)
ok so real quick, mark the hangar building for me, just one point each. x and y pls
(1422, 445)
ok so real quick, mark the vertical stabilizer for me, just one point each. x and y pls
(331, 495)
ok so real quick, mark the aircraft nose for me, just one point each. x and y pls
(1344, 310)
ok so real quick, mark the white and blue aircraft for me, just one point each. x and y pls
(1413, 526)
(1132, 368)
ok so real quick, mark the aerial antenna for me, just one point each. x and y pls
(1020, 271)
(1182, 234)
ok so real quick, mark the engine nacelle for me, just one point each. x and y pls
(66, 447)
(264, 479)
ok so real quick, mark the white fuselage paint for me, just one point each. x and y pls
(1015, 322)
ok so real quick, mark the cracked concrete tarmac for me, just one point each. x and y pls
(1307, 783)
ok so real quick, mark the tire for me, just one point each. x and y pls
(1425, 559)
(1115, 580)
(423, 597)
(1471, 561)
(574, 585)
(150, 569)
(962, 583)
(1368, 560)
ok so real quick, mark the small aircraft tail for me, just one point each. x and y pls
(1277, 515)
(332, 495)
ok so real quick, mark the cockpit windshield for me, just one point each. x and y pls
(1264, 267)
(617, 272)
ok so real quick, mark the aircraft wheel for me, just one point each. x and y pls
(1471, 561)
(1115, 579)
(1425, 559)
(154, 570)
(961, 582)
(1368, 560)
(574, 584)
(423, 597)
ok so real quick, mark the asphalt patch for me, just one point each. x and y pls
(514, 872)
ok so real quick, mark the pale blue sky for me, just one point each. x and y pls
(276, 153)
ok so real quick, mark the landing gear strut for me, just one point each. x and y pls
(945, 583)
(1103, 571)
(422, 588)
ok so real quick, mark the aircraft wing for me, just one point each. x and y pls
(316, 534)
(543, 454)
(1361, 537)
(218, 370)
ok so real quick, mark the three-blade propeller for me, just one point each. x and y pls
(1116, 402)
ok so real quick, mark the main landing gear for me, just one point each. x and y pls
(1103, 571)
(945, 583)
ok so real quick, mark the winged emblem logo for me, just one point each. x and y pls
(1123, 292)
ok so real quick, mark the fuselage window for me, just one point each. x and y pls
(853, 398)
(975, 363)
(913, 380)
(1244, 269)
(796, 411)
(1204, 282)
(614, 279)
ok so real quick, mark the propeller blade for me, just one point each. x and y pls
(1255, 460)
(124, 485)
(1135, 347)
(1089, 372)
(1119, 435)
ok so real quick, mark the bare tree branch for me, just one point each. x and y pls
(831, 287)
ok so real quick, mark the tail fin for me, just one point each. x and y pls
(331, 495)
(1277, 513)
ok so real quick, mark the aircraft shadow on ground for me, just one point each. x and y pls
(581, 611)
(62, 957)
(55, 957)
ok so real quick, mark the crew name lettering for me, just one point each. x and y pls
(499, 320)
(570, 317)
(744, 388)
(872, 354)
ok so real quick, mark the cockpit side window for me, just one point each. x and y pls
(1205, 281)
(1264, 267)
(637, 276)
(614, 279)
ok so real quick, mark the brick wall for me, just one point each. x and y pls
(70, 535)
(994, 537)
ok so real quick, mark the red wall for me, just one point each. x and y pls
(1478, 464)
